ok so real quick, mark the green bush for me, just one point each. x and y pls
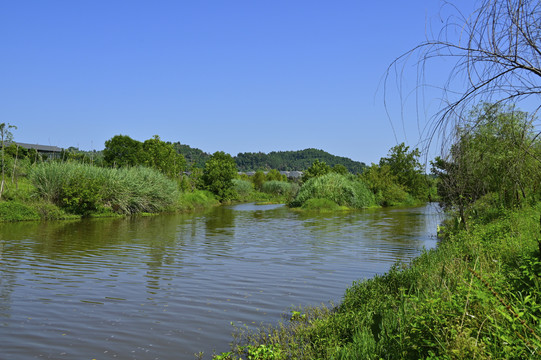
(342, 190)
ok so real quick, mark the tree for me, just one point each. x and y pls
(274, 174)
(122, 150)
(490, 157)
(318, 168)
(340, 169)
(405, 166)
(498, 56)
(163, 157)
(384, 184)
(5, 136)
(220, 170)
(258, 179)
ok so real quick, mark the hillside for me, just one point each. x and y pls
(280, 160)
(293, 160)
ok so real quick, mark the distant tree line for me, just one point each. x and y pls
(294, 160)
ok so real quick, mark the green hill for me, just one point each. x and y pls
(293, 160)
(280, 160)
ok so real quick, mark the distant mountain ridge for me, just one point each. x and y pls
(294, 160)
(298, 160)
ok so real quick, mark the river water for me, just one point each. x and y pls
(168, 286)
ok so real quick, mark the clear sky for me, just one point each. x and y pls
(237, 76)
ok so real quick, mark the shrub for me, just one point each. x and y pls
(340, 189)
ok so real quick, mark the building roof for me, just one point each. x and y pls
(42, 148)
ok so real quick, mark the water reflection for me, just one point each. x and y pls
(169, 286)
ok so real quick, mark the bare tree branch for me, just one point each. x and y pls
(496, 50)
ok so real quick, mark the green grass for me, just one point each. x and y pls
(340, 189)
(197, 200)
(478, 295)
(16, 211)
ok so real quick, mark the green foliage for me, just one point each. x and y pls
(16, 211)
(122, 150)
(318, 168)
(81, 194)
(384, 184)
(162, 156)
(220, 170)
(197, 200)
(498, 153)
(258, 179)
(195, 158)
(321, 205)
(293, 160)
(280, 188)
(82, 189)
(243, 189)
(274, 174)
(340, 169)
(342, 190)
(407, 170)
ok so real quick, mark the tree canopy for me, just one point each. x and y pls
(121, 151)
(495, 154)
(220, 170)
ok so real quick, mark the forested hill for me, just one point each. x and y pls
(293, 160)
(280, 160)
(194, 156)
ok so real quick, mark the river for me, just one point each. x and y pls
(168, 286)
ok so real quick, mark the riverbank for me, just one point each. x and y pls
(477, 295)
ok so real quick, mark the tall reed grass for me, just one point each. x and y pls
(82, 188)
(337, 188)
(280, 188)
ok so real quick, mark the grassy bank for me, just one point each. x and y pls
(54, 191)
(477, 296)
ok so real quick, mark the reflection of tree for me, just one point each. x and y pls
(7, 276)
(219, 230)
(220, 222)
(82, 242)
(402, 229)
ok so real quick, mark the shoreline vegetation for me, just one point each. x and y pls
(131, 178)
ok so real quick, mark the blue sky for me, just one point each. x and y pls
(237, 76)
